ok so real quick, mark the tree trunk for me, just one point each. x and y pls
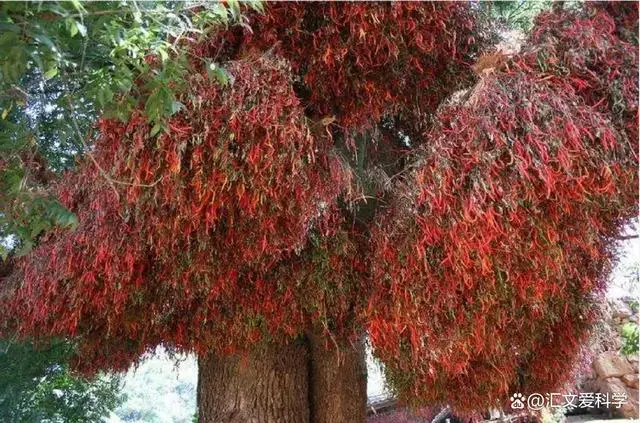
(298, 383)
(338, 382)
(269, 385)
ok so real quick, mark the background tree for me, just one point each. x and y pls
(312, 186)
(37, 386)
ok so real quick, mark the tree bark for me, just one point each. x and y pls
(269, 385)
(338, 382)
(309, 382)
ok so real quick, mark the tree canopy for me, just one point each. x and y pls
(513, 209)
(37, 385)
(66, 63)
(316, 173)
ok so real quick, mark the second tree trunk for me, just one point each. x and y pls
(338, 382)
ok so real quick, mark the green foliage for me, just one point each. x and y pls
(36, 386)
(64, 63)
(631, 337)
(515, 14)
(108, 54)
(161, 388)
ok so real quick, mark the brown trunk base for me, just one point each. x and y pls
(269, 385)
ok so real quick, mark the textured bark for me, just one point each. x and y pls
(338, 382)
(269, 385)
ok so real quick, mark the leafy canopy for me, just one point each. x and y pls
(62, 64)
(318, 173)
(37, 385)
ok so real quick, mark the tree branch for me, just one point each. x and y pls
(626, 237)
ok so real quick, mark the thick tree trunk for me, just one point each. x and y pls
(270, 385)
(298, 383)
(338, 382)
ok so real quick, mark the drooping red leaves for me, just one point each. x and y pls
(581, 52)
(176, 247)
(625, 15)
(476, 282)
(212, 217)
(486, 268)
(362, 61)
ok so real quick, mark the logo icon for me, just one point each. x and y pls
(517, 402)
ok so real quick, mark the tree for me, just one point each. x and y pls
(37, 386)
(313, 187)
(64, 64)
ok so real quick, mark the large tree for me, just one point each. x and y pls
(314, 185)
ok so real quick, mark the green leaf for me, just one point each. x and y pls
(105, 95)
(78, 6)
(218, 11)
(51, 73)
(72, 26)
(8, 39)
(124, 84)
(11, 179)
(257, 5)
(81, 29)
(176, 106)
(4, 252)
(163, 54)
(69, 220)
(27, 245)
(218, 74)
(234, 7)
(629, 329)
(46, 40)
(9, 27)
(156, 128)
(631, 336)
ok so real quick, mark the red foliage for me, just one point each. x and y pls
(227, 229)
(625, 15)
(361, 61)
(487, 268)
(180, 250)
(201, 241)
(581, 52)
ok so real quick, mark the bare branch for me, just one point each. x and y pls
(626, 237)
